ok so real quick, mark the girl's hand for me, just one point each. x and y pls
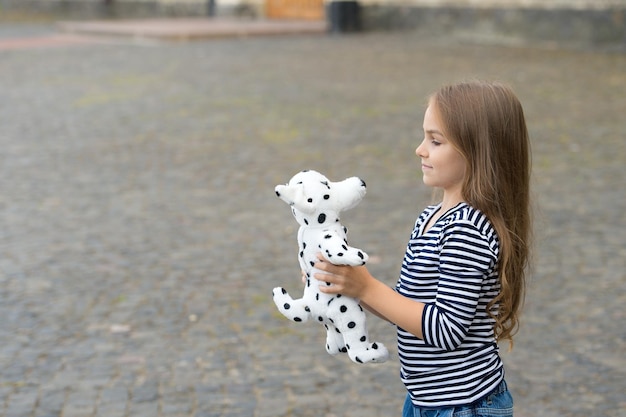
(351, 281)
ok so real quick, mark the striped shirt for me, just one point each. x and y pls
(452, 269)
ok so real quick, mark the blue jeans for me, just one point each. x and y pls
(498, 403)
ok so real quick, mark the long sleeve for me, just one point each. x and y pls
(466, 259)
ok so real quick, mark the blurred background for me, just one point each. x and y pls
(140, 143)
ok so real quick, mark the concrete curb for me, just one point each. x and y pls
(184, 29)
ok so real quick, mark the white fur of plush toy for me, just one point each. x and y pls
(316, 204)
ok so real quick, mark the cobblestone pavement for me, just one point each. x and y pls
(141, 236)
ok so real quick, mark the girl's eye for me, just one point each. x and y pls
(435, 142)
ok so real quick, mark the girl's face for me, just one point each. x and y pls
(443, 165)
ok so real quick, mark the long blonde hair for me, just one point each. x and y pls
(485, 122)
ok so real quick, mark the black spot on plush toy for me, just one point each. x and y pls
(316, 204)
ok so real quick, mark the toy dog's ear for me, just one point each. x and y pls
(349, 192)
(294, 196)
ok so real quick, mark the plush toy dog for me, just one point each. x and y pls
(316, 204)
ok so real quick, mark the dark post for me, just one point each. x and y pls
(108, 8)
(344, 16)
(210, 5)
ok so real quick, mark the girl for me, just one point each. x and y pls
(462, 279)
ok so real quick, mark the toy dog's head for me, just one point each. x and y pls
(315, 200)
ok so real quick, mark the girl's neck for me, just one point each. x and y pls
(450, 200)
(446, 204)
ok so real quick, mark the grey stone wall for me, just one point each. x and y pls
(509, 25)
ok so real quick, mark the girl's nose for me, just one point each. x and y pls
(419, 151)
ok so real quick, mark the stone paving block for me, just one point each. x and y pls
(144, 409)
(147, 393)
(80, 401)
(51, 402)
(21, 403)
(111, 410)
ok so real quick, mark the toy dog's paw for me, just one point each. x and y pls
(280, 297)
(352, 257)
(278, 292)
(295, 310)
(376, 353)
(334, 341)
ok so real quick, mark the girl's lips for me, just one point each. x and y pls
(424, 166)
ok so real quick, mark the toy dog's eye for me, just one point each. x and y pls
(310, 200)
(326, 196)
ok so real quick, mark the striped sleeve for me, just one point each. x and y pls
(466, 258)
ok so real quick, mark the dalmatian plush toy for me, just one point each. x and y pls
(316, 204)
